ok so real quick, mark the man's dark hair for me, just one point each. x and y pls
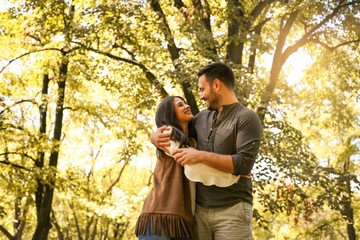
(219, 71)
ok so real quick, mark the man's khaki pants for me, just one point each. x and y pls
(229, 223)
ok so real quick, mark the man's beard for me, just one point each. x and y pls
(213, 101)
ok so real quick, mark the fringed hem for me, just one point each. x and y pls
(172, 225)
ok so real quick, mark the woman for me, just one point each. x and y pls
(167, 210)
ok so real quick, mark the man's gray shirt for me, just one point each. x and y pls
(236, 132)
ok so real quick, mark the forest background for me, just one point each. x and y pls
(81, 79)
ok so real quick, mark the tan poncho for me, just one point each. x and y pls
(168, 205)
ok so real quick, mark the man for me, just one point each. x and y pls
(228, 138)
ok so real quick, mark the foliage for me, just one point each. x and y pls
(117, 59)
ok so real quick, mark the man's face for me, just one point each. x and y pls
(207, 94)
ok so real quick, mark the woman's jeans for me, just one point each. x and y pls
(149, 236)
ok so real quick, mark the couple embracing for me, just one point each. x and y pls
(203, 189)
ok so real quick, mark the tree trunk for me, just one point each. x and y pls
(20, 221)
(45, 203)
(278, 61)
(236, 27)
(41, 154)
(253, 47)
(190, 98)
(205, 36)
(349, 213)
(58, 229)
(175, 54)
(281, 56)
(348, 210)
(93, 234)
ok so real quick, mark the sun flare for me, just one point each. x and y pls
(295, 66)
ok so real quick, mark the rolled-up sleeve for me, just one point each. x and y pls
(245, 159)
(248, 138)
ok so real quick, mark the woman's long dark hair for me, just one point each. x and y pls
(165, 115)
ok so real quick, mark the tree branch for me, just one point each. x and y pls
(88, 226)
(14, 165)
(128, 52)
(174, 52)
(76, 223)
(259, 8)
(179, 4)
(28, 53)
(71, 109)
(204, 10)
(93, 235)
(16, 153)
(7, 234)
(119, 176)
(57, 226)
(151, 77)
(172, 48)
(306, 37)
(260, 25)
(13, 126)
(204, 36)
(330, 48)
(18, 102)
(35, 37)
(277, 64)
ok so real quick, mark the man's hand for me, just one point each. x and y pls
(187, 156)
(160, 139)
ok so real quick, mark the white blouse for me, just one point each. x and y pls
(200, 172)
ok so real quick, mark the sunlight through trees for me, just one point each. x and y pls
(80, 81)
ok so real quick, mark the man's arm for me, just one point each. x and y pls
(160, 139)
(248, 140)
(190, 156)
(243, 160)
(241, 163)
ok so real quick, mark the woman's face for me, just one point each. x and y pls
(182, 111)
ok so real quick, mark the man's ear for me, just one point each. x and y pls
(217, 85)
